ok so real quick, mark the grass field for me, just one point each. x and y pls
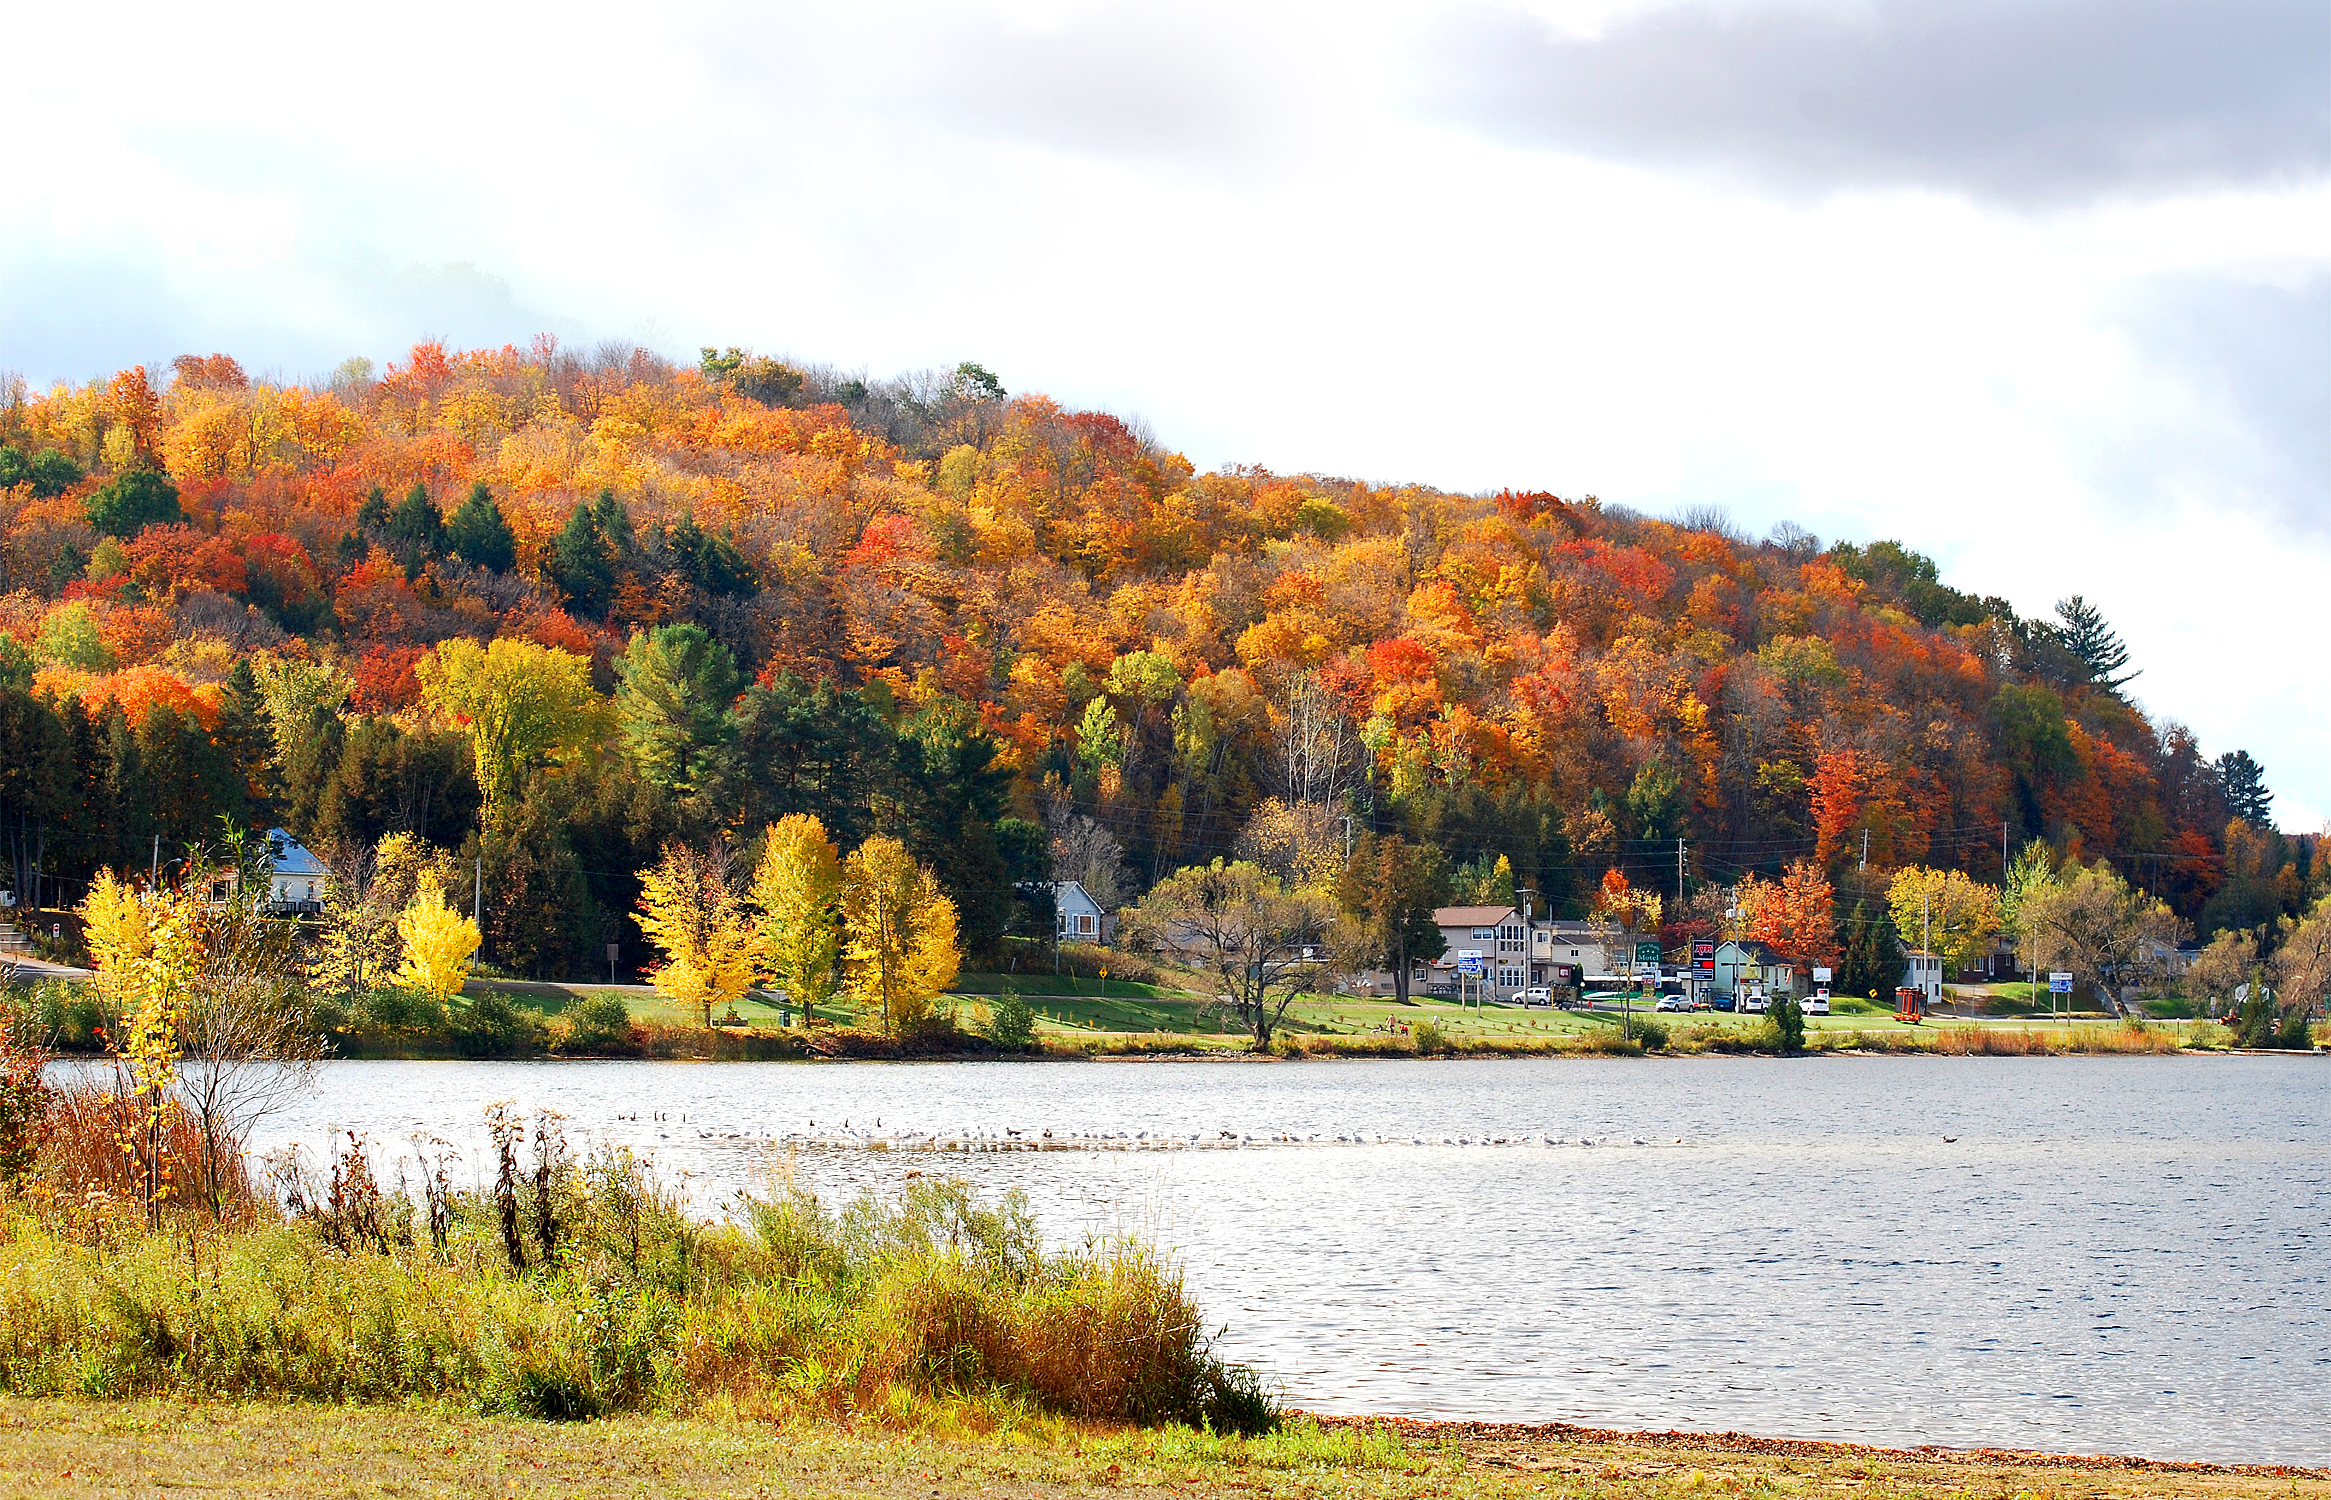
(1077, 1009)
(76, 1448)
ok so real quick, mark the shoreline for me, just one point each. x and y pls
(1438, 1430)
(292, 1451)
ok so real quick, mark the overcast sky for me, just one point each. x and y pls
(2041, 287)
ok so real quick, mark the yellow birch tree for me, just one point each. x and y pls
(711, 947)
(148, 952)
(1958, 916)
(796, 890)
(901, 952)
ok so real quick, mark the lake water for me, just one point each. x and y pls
(2113, 1254)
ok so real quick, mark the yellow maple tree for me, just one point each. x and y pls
(439, 943)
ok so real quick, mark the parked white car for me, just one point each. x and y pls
(1672, 1002)
(1817, 1004)
(1756, 1004)
(1537, 995)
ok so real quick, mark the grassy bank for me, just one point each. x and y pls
(578, 1289)
(91, 1448)
(515, 1018)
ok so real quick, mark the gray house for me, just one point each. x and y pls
(296, 885)
(1077, 917)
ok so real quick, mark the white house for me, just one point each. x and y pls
(1077, 917)
(1923, 972)
(296, 886)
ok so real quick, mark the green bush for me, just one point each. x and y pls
(489, 1025)
(1011, 1023)
(1652, 1034)
(74, 1017)
(597, 1023)
(398, 1011)
(1788, 1024)
(1429, 1037)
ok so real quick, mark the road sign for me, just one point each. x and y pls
(2059, 984)
(1469, 962)
(1704, 954)
(1821, 973)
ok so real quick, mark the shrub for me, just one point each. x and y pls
(72, 1016)
(597, 1023)
(399, 1011)
(1788, 1023)
(1011, 1023)
(489, 1025)
(24, 1092)
(1652, 1034)
(1429, 1037)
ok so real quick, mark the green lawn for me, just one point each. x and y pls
(1071, 1006)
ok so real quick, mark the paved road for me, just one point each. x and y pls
(23, 968)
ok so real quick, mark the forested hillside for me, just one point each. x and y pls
(555, 610)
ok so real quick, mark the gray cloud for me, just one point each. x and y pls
(2036, 103)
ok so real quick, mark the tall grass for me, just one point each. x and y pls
(2039, 1041)
(569, 1289)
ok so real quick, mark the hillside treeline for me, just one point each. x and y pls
(557, 609)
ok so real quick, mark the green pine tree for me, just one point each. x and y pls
(582, 563)
(415, 530)
(478, 535)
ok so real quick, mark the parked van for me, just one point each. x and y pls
(1756, 1004)
(1536, 997)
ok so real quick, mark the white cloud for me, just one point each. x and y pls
(1265, 234)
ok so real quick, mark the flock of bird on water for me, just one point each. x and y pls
(980, 1138)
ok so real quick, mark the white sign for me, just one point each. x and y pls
(1469, 962)
(2059, 984)
(1821, 973)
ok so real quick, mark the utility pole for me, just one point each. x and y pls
(154, 877)
(1926, 939)
(1347, 838)
(1865, 864)
(477, 897)
(1679, 872)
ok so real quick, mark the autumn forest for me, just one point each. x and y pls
(553, 612)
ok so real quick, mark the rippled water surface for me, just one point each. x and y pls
(2113, 1254)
